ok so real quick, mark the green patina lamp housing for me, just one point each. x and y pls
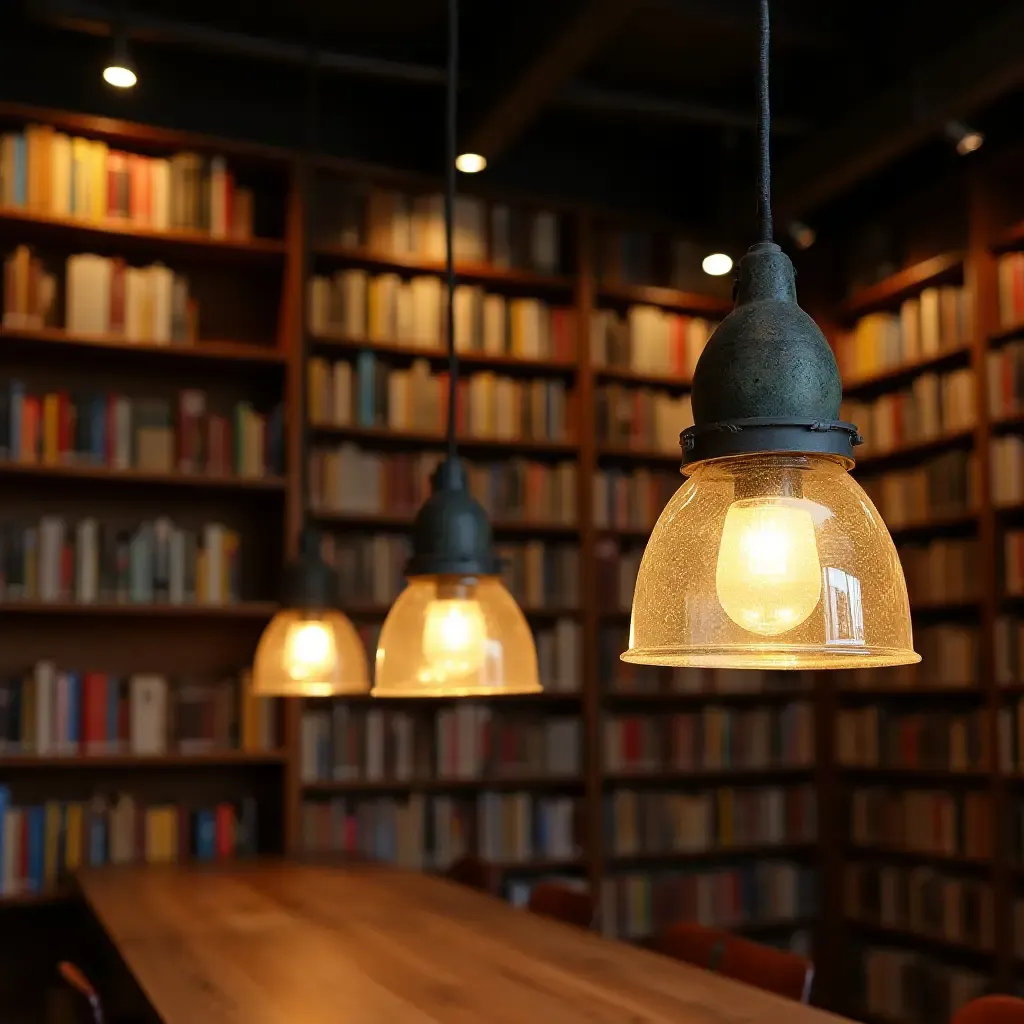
(455, 631)
(770, 555)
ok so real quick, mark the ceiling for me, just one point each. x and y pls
(645, 104)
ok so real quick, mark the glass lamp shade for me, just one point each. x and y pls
(771, 561)
(448, 636)
(310, 653)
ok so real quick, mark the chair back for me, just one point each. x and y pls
(693, 944)
(75, 977)
(774, 970)
(473, 873)
(991, 1010)
(562, 903)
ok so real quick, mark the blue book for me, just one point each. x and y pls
(74, 708)
(97, 837)
(5, 804)
(113, 708)
(99, 430)
(20, 171)
(206, 835)
(17, 399)
(36, 836)
(366, 382)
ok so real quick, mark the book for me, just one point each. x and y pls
(640, 419)
(648, 340)
(879, 737)
(631, 499)
(941, 487)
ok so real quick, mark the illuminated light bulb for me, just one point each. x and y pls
(966, 139)
(120, 76)
(717, 264)
(470, 163)
(768, 576)
(454, 638)
(309, 650)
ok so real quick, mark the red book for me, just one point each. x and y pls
(1017, 282)
(631, 741)
(117, 184)
(94, 712)
(225, 831)
(31, 417)
(138, 198)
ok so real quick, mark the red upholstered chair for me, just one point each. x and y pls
(693, 944)
(991, 1010)
(474, 873)
(775, 970)
(562, 903)
(76, 978)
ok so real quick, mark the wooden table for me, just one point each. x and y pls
(277, 943)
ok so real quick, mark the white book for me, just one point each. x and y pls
(374, 745)
(45, 674)
(87, 559)
(51, 549)
(122, 447)
(161, 281)
(147, 697)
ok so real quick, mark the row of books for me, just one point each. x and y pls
(48, 712)
(1010, 271)
(718, 820)
(712, 739)
(950, 656)
(941, 487)
(1010, 727)
(899, 985)
(369, 393)
(388, 309)
(877, 737)
(48, 172)
(346, 744)
(933, 406)
(642, 419)
(90, 562)
(1006, 472)
(636, 256)
(927, 821)
(353, 480)
(938, 320)
(1005, 368)
(921, 900)
(41, 844)
(102, 295)
(61, 428)
(648, 340)
(637, 906)
(631, 499)
(516, 828)
(941, 572)
(1013, 562)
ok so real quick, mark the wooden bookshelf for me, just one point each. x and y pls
(667, 298)
(386, 437)
(904, 283)
(894, 376)
(101, 474)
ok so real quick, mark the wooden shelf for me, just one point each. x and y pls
(103, 474)
(358, 610)
(904, 283)
(893, 376)
(437, 356)
(655, 380)
(80, 231)
(705, 698)
(385, 436)
(701, 777)
(214, 758)
(625, 532)
(940, 860)
(767, 851)
(949, 608)
(1010, 238)
(1005, 334)
(255, 610)
(923, 939)
(231, 352)
(1008, 424)
(971, 777)
(383, 521)
(606, 451)
(908, 453)
(782, 924)
(360, 786)
(910, 692)
(483, 272)
(667, 298)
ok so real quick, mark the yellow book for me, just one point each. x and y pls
(51, 429)
(375, 311)
(98, 182)
(73, 819)
(80, 157)
(51, 844)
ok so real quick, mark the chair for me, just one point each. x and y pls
(76, 978)
(991, 1010)
(693, 944)
(570, 906)
(774, 970)
(474, 873)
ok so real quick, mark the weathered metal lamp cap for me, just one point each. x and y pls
(452, 534)
(767, 380)
(309, 582)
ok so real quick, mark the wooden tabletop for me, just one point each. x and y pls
(275, 943)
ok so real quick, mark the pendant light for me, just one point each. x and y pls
(309, 649)
(770, 555)
(455, 631)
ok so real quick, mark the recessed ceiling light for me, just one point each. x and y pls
(967, 139)
(119, 76)
(470, 163)
(717, 264)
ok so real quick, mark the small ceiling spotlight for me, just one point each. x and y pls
(966, 139)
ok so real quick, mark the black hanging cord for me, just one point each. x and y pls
(449, 213)
(764, 173)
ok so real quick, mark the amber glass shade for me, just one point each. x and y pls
(771, 561)
(310, 654)
(452, 637)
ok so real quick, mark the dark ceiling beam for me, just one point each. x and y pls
(976, 72)
(739, 17)
(518, 102)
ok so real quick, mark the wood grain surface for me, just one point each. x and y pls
(276, 943)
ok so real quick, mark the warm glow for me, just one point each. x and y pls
(309, 650)
(804, 235)
(969, 142)
(119, 76)
(717, 264)
(454, 638)
(768, 576)
(470, 163)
